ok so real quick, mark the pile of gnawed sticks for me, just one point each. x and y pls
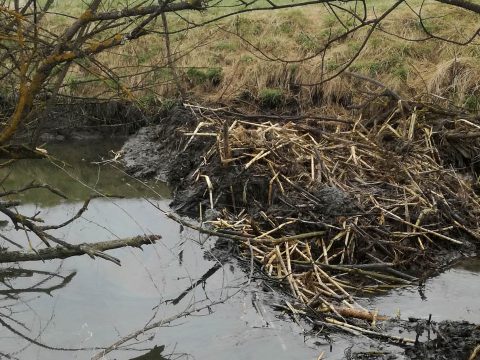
(335, 208)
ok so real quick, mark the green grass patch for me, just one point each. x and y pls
(199, 76)
(247, 59)
(472, 103)
(271, 98)
(307, 42)
(401, 72)
(168, 104)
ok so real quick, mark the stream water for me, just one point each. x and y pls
(80, 303)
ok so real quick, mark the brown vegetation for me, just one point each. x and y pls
(335, 208)
(232, 52)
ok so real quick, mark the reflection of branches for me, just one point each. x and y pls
(73, 218)
(38, 287)
(30, 339)
(190, 310)
(7, 320)
(31, 186)
(196, 283)
(35, 289)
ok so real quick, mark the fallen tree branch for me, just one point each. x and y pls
(13, 151)
(34, 185)
(60, 252)
(257, 117)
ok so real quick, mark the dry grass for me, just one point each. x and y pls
(414, 69)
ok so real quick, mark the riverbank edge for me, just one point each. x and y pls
(83, 121)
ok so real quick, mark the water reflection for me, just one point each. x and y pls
(74, 173)
(46, 282)
(19, 287)
(458, 286)
(105, 302)
(87, 305)
(154, 354)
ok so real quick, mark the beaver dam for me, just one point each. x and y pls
(330, 209)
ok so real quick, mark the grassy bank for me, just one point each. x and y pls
(251, 58)
(274, 58)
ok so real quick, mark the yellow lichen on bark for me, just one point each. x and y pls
(17, 116)
(25, 100)
(28, 91)
(87, 15)
(59, 58)
(101, 45)
(12, 13)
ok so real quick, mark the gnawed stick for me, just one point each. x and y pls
(359, 314)
(475, 353)
(348, 326)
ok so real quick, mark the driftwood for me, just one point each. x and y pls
(61, 252)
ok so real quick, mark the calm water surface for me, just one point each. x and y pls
(101, 302)
(104, 302)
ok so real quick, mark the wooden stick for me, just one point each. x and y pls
(60, 252)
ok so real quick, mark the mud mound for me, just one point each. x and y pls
(453, 341)
(157, 151)
(373, 207)
(329, 209)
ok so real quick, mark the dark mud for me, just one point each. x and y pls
(446, 340)
(82, 121)
(156, 151)
(162, 151)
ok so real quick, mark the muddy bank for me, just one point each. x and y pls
(196, 158)
(368, 203)
(446, 340)
(170, 151)
(83, 121)
(162, 151)
(434, 341)
(90, 121)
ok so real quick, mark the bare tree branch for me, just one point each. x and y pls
(61, 252)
